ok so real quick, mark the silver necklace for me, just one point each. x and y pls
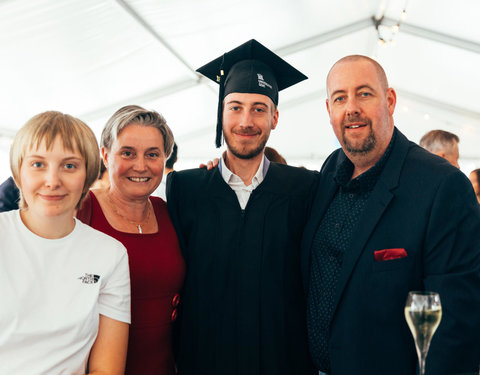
(137, 224)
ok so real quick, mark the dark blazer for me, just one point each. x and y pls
(424, 205)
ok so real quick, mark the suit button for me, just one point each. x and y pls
(174, 315)
(176, 300)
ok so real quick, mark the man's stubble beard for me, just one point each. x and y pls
(367, 145)
(244, 154)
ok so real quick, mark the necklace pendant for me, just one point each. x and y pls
(139, 229)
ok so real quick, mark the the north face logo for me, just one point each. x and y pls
(89, 278)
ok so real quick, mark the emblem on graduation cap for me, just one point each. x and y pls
(250, 68)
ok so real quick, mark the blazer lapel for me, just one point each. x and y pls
(378, 202)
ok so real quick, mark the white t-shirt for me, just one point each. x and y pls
(51, 294)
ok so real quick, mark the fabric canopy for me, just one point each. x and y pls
(90, 57)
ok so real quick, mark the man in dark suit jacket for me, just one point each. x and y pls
(388, 218)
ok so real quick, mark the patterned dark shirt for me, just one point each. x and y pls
(330, 243)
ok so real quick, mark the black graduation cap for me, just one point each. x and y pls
(250, 68)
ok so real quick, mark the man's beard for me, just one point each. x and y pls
(244, 153)
(367, 145)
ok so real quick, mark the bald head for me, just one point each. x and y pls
(382, 77)
(360, 106)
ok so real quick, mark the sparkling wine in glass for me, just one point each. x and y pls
(423, 313)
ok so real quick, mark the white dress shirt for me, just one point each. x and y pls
(243, 191)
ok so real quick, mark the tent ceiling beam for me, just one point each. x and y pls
(154, 33)
(324, 37)
(339, 32)
(439, 104)
(434, 36)
(146, 97)
(299, 46)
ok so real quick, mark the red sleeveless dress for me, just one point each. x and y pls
(157, 270)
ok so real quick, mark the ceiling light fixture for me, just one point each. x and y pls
(386, 34)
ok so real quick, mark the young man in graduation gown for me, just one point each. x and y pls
(240, 227)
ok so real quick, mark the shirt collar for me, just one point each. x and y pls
(367, 180)
(229, 176)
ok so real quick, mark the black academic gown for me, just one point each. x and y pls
(243, 309)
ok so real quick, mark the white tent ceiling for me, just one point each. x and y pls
(90, 57)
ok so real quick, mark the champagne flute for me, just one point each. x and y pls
(423, 313)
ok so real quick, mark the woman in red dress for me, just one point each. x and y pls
(135, 144)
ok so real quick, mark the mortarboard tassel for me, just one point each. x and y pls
(220, 80)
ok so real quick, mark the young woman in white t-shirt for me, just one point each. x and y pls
(64, 287)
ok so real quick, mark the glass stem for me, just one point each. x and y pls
(422, 364)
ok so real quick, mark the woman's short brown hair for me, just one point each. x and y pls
(45, 127)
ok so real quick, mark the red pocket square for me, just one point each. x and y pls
(389, 254)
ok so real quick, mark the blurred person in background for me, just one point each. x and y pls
(273, 155)
(134, 145)
(443, 144)
(475, 179)
(65, 287)
(9, 195)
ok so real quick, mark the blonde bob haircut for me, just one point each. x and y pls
(45, 127)
(134, 114)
